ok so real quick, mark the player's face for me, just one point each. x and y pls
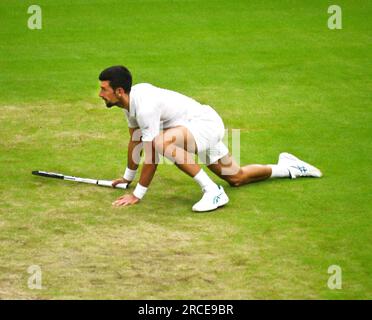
(108, 94)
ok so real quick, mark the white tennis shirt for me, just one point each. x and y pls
(152, 109)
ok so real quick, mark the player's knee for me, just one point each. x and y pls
(235, 180)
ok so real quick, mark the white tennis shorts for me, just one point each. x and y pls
(208, 131)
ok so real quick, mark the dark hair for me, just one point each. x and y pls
(119, 77)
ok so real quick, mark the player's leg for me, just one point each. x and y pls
(288, 166)
(178, 145)
(227, 169)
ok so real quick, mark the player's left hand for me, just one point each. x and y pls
(126, 200)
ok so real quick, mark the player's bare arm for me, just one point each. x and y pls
(134, 156)
(147, 174)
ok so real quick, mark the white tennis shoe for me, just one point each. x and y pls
(211, 200)
(296, 167)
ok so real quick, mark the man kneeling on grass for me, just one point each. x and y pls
(178, 127)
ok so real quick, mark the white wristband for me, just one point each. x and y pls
(140, 191)
(129, 174)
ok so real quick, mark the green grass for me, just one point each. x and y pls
(272, 69)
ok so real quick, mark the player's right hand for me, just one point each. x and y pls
(120, 180)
